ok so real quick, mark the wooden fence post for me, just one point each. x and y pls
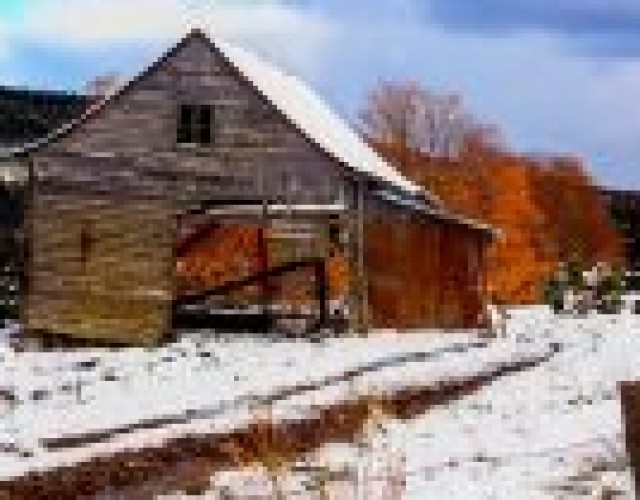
(630, 397)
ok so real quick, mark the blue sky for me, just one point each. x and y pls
(555, 75)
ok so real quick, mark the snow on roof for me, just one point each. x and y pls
(313, 116)
(438, 212)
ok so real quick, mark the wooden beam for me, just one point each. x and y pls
(263, 256)
(256, 278)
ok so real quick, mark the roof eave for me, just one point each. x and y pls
(422, 206)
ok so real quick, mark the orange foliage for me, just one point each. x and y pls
(576, 217)
(516, 268)
(546, 212)
(226, 253)
(230, 253)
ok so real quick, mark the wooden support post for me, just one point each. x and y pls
(440, 277)
(27, 246)
(630, 397)
(358, 319)
(263, 256)
(362, 276)
(322, 293)
(482, 283)
(483, 288)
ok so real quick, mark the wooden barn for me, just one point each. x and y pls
(213, 189)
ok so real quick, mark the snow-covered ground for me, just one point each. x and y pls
(534, 434)
(553, 431)
(221, 382)
(528, 435)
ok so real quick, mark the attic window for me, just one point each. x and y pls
(195, 124)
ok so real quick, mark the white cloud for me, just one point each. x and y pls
(548, 100)
(297, 36)
(82, 22)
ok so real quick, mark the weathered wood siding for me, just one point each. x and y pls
(256, 150)
(124, 170)
(421, 272)
(101, 269)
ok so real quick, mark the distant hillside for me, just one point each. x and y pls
(624, 207)
(26, 114)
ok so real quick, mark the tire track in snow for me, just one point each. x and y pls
(252, 401)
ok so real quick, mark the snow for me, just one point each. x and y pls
(551, 430)
(314, 117)
(71, 393)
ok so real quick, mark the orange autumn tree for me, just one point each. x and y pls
(517, 269)
(577, 218)
(492, 185)
(545, 212)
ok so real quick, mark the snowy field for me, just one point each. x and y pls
(552, 431)
(211, 385)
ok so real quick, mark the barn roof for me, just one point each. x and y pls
(313, 116)
(303, 107)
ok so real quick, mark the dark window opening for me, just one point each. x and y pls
(184, 124)
(334, 233)
(195, 124)
(204, 125)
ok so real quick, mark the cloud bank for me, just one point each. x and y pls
(597, 27)
(93, 26)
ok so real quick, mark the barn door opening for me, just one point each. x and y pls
(239, 270)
